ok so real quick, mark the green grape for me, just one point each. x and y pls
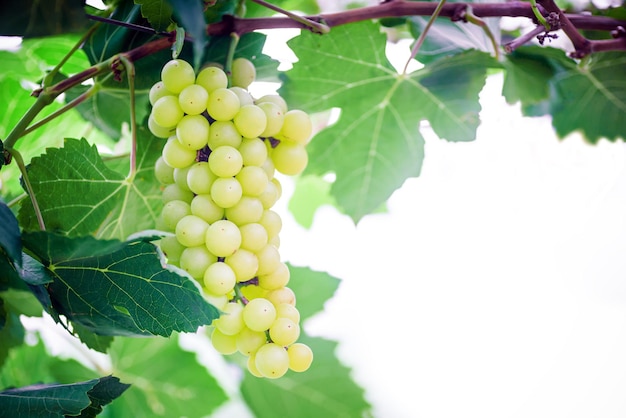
(177, 155)
(177, 74)
(269, 259)
(166, 112)
(157, 130)
(247, 210)
(270, 195)
(287, 310)
(171, 248)
(157, 91)
(225, 161)
(284, 332)
(280, 296)
(253, 237)
(223, 238)
(200, 178)
(204, 207)
(277, 279)
(253, 152)
(297, 127)
(243, 73)
(219, 279)
(180, 178)
(172, 212)
(268, 166)
(279, 187)
(163, 172)
(273, 98)
(259, 314)
(224, 133)
(226, 191)
(212, 78)
(224, 344)
(275, 241)
(250, 121)
(300, 357)
(253, 180)
(290, 158)
(272, 223)
(230, 321)
(223, 104)
(244, 263)
(275, 118)
(272, 361)
(251, 365)
(248, 341)
(193, 99)
(245, 98)
(219, 301)
(195, 260)
(190, 231)
(173, 192)
(193, 131)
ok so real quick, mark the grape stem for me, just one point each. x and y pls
(422, 37)
(130, 75)
(29, 188)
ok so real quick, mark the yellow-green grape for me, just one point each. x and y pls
(224, 344)
(200, 178)
(268, 166)
(230, 321)
(248, 341)
(173, 192)
(275, 241)
(195, 261)
(253, 180)
(163, 172)
(277, 279)
(171, 248)
(224, 133)
(219, 301)
(219, 279)
(225, 161)
(284, 332)
(275, 118)
(167, 112)
(300, 357)
(204, 207)
(251, 365)
(223, 104)
(252, 292)
(244, 263)
(279, 187)
(272, 361)
(273, 98)
(193, 99)
(157, 91)
(280, 296)
(259, 314)
(172, 212)
(290, 158)
(193, 131)
(250, 121)
(297, 127)
(212, 78)
(269, 259)
(253, 152)
(157, 130)
(253, 237)
(270, 195)
(271, 222)
(180, 177)
(245, 98)
(176, 155)
(226, 191)
(247, 210)
(190, 230)
(287, 310)
(223, 238)
(243, 73)
(177, 74)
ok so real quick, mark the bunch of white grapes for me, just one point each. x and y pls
(217, 170)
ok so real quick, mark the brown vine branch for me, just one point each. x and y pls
(581, 44)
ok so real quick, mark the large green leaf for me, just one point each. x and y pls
(157, 12)
(167, 381)
(376, 144)
(79, 195)
(325, 390)
(118, 288)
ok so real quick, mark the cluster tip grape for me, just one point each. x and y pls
(217, 168)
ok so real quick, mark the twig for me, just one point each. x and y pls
(581, 44)
(422, 37)
(522, 40)
(29, 188)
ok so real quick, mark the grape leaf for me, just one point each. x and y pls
(313, 289)
(325, 390)
(33, 18)
(166, 380)
(310, 193)
(11, 332)
(527, 76)
(157, 12)
(10, 234)
(190, 15)
(79, 195)
(118, 288)
(376, 144)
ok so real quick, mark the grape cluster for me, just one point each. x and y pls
(217, 169)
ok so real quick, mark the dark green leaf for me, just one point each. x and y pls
(166, 380)
(11, 332)
(10, 234)
(92, 340)
(118, 288)
(21, 302)
(527, 77)
(380, 110)
(32, 18)
(312, 288)
(325, 390)
(215, 12)
(107, 389)
(157, 12)
(190, 15)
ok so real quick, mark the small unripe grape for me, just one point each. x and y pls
(177, 74)
(190, 231)
(223, 238)
(180, 177)
(193, 99)
(230, 321)
(223, 104)
(284, 331)
(244, 263)
(195, 261)
(171, 248)
(243, 72)
(297, 126)
(245, 98)
(251, 365)
(269, 259)
(277, 279)
(203, 206)
(212, 78)
(273, 98)
(287, 310)
(224, 133)
(250, 121)
(272, 361)
(253, 180)
(248, 341)
(290, 158)
(219, 301)
(193, 131)
(157, 91)
(226, 191)
(163, 172)
(271, 222)
(247, 210)
(253, 237)
(300, 357)
(259, 314)
(173, 211)
(225, 161)
(280, 296)
(173, 192)
(253, 151)
(167, 112)
(270, 195)
(224, 344)
(177, 155)
(219, 278)
(275, 118)
(158, 130)
(200, 178)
